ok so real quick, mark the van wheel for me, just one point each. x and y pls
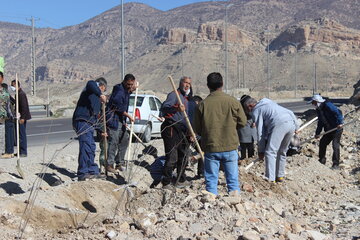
(147, 134)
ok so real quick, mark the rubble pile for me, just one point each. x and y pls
(315, 202)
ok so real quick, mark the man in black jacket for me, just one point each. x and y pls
(24, 117)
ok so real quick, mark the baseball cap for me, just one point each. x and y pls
(317, 98)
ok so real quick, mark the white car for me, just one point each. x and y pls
(147, 123)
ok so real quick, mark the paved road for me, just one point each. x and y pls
(55, 130)
(59, 130)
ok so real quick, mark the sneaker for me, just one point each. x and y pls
(110, 169)
(280, 179)
(335, 167)
(97, 176)
(7, 155)
(120, 167)
(84, 177)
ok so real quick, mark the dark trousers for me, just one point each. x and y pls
(247, 147)
(85, 132)
(175, 147)
(23, 139)
(9, 136)
(325, 141)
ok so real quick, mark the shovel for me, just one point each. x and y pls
(331, 130)
(150, 149)
(18, 168)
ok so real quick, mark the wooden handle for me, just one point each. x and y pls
(187, 118)
(105, 139)
(132, 125)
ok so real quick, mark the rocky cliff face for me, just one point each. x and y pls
(92, 48)
(321, 31)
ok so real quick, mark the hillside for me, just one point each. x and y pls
(189, 40)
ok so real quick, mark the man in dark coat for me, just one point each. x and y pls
(329, 117)
(25, 115)
(85, 120)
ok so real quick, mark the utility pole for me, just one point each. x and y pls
(226, 49)
(268, 63)
(238, 71)
(33, 87)
(315, 83)
(296, 50)
(122, 42)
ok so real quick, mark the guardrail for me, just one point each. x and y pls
(39, 111)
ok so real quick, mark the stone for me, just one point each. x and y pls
(239, 223)
(217, 228)
(111, 235)
(195, 228)
(315, 235)
(296, 228)
(247, 187)
(208, 197)
(251, 235)
(240, 208)
(248, 206)
(278, 208)
(291, 236)
(254, 219)
(124, 227)
(232, 200)
(179, 217)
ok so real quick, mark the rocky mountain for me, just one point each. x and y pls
(189, 40)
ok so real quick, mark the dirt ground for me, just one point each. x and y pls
(315, 201)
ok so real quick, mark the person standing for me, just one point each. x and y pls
(329, 117)
(85, 120)
(9, 127)
(174, 133)
(4, 103)
(216, 120)
(247, 134)
(276, 126)
(25, 115)
(117, 112)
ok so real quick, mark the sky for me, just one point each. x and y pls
(61, 13)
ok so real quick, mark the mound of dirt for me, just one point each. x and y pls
(314, 202)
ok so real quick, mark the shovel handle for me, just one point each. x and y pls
(187, 119)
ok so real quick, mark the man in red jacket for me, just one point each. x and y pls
(24, 116)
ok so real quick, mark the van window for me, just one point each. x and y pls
(139, 101)
(152, 104)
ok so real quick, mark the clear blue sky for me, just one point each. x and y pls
(61, 13)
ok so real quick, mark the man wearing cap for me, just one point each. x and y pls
(330, 117)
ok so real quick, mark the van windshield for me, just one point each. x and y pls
(138, 102)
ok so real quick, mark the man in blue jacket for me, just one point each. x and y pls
(117, 112)
(85, 120)
(329, 117)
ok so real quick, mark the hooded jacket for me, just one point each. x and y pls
(329, 117)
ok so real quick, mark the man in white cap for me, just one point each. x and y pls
(330, 117)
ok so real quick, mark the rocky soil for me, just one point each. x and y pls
(315, 201)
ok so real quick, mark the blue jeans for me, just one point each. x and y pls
(229, 160)
(85, 132)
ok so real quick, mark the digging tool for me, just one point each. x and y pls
(132, 126)
(151, 149)
(158, 118)
(331, 130)
(18, 168)
(105, 140)
(251, 164)
(187, 119)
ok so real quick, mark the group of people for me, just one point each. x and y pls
(8, 118)
(87, 119)
(219, 121)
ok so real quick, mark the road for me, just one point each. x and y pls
(59, 130)
(50, 131)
